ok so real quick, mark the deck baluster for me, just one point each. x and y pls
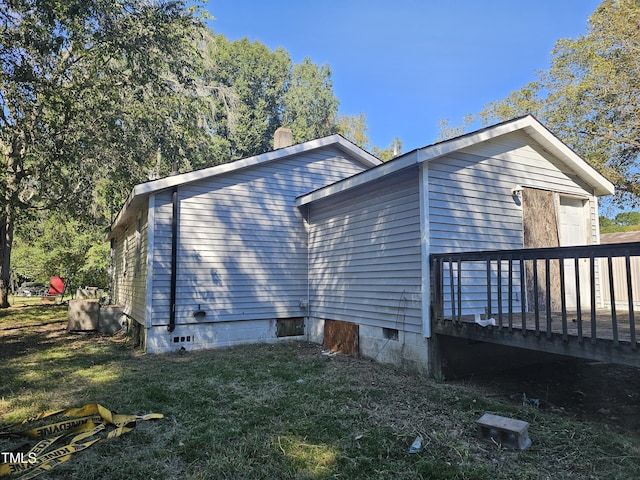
(592, 286)
(547, 287)
(563, 300)
(510, 299)
(536, 300)
(437, 288)
(499, 275)
(632, 321)
(523, 298)
(614, 319)
(576, 271)
(451, 291)
(459, 267)
(489, 312)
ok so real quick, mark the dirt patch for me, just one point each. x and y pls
(590, 391)
(24, 339)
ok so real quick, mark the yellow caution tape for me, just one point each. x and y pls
(86, 426)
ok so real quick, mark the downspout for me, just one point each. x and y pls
(174, 258)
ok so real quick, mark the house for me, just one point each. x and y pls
(218, 256)
(318, 235)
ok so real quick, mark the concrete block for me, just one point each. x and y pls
(505, 431)
(110, 319)
(83, 315)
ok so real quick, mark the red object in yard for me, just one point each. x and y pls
(56, 286)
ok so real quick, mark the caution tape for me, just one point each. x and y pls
(83, 427)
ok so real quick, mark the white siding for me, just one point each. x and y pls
(242, 244)
(161, 261)
(129, 273)
(365, 255)
(471, 206)
(619, 277)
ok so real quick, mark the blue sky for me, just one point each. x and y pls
(407, 64)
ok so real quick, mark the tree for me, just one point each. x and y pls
(354, 128)
(447, 131)
(57, 244)
(255, 79)
(590, 95)
(86, 88)
(392, 151)
(622, 222)
(309, 105)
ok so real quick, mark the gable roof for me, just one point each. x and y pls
(141, 192)
(527, 124)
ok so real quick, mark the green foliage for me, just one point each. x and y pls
(252, 91)
(623, 222)
(309, 105)
(390, 152)
(93, 93)
(354, 128)
(589, 96)
(628, 219)
(254, 79)
(447, 131)
(89, 91)
(57, 245)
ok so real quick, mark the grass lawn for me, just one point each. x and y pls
(281, 411)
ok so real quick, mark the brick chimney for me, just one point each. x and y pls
(282, 138)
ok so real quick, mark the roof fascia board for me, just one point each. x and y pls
(360, 179)
(601, 185)
(443, 148)
(172, 181)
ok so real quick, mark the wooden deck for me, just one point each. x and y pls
(529, 292)
(582, 337)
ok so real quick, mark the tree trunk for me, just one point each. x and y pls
(13, 156)
(6, 242)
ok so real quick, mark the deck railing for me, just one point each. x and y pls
(537, 290)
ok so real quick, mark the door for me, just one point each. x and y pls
(540, 230)
(574, 231)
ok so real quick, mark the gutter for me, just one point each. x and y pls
(174, 258)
